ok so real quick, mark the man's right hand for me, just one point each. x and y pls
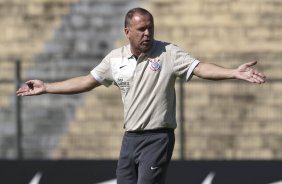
(33, 87)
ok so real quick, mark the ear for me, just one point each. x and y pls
(127, 32)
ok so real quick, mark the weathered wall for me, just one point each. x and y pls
(59, 39)
(228, 120)
(25, 27)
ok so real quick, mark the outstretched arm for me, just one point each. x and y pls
(245, 72)
(71, 86)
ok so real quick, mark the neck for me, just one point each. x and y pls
(136, 54)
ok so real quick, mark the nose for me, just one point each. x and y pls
(147, 32)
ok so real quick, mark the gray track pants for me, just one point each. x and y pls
(145, 156)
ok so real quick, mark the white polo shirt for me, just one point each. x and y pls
(146, 84)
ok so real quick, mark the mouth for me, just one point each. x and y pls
(146, 42)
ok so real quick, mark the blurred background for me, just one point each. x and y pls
(53, 40)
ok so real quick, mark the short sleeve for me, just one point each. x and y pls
(102, 72)
(183, 63)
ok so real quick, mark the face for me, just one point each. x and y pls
(140, 33)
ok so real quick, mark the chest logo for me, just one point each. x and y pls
(155, 64)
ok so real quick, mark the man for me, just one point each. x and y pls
(145, 71)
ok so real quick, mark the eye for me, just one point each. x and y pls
(142, 29)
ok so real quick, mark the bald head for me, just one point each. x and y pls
(130, 14)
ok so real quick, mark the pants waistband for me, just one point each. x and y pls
(140, 132)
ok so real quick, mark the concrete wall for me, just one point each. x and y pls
(229, 120)
(65, 38)
(25, 27)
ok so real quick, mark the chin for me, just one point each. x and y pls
(145, 49)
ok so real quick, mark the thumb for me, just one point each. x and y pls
(29, 84)
(252, 63)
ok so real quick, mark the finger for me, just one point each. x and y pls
(262, 80)
(30, 86)
(259, 74)
(24, 93)
(21, 91)
(30, 83)
(252, 63)
(257, 79)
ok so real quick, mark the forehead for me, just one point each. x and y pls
(141, 20)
